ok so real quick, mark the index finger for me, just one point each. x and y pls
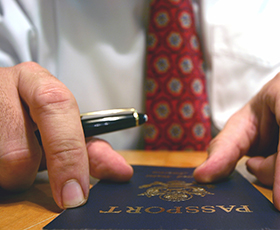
(55, 111)
(227, 148)
(252, 130)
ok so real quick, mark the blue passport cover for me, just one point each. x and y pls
(169, 198)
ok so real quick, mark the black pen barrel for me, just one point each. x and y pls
(98, 126)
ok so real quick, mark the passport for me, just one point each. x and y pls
(169, 198)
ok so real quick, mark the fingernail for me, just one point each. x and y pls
(72, 194)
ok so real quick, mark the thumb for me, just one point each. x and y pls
(107, 164)
(263, 168)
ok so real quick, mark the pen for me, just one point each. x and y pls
(105, 121)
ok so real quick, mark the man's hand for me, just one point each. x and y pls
(31, 98)
(254, 130)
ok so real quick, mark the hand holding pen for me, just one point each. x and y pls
(100, 122)
(31, 98)
(105, 121)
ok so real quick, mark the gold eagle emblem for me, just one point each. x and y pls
(174, 191)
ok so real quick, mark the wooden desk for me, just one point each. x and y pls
(35, 208)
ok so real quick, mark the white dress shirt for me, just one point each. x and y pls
(97, 49)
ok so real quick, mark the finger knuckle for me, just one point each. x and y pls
(30, 65)
(65, 153)
(45, 91)
(51, 96)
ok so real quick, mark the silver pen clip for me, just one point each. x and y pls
(109, 112)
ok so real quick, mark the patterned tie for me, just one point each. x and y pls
(176, 99)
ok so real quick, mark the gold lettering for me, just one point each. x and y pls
(111, 210)
(192, 209)
(229, 209)
(243, 208)
(208, 209)
(160, 209)
(177, 209)
(170, 173)
(184, 176)
(158, 176)
(134, 210)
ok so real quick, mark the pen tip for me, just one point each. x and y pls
(146, 117)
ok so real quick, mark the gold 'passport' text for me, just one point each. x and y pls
(178, 209)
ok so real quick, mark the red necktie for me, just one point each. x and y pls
(176, 99)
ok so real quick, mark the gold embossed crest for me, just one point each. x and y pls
(174, 191)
